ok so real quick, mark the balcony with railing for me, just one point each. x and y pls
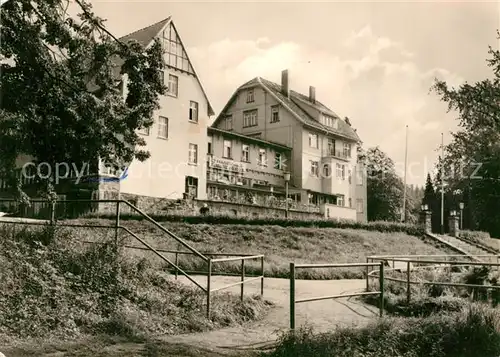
(337, 154)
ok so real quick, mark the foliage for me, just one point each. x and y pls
(473, 331)
(55, 286)
(472, 158)
(429, 192)
(385, 188)
(62, 87)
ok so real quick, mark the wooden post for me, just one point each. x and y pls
(367, 274)
(209, 277)
(262, 273)
(117, 222)
(292, 296)
(242, 279)
(176, 265)
(381, 283)
(408, 284)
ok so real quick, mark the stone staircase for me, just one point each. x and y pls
(472, 249)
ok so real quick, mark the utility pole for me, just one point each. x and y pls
(403, 214)
(442, 184)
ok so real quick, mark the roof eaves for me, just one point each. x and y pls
(249, 138)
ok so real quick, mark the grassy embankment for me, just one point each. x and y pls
(53, 287)
(280, 245)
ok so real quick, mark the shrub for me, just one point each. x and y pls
(470, 332)
(54, 285)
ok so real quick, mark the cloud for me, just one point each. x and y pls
(372, 79)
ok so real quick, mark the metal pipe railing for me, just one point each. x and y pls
(294, 301)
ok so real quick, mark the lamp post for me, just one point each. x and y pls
(286, 176)
(461, 205)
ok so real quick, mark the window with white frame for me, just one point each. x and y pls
(359, 205)
(193, 153)
(278, 161)
(250, 118)
(173, 85)
(347, 150)
(250, 96)
(275, 114)
(161, 73)
(210, 141)
(163, 127)
(341, 171)
(359, 176)
(245, 153)
(191, 184)
(228, 122)
(340, 201)
(228, 153)
(313, 140)
(314, 168)
(144, 131)
(331, 147)
(193, 111)
(262, 157)
(327, 170)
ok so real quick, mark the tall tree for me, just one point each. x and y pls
(429, 191)
(473, 156)
(384, 186)
(61, 89)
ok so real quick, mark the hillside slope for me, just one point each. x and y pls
(280, 245)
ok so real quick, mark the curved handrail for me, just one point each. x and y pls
(178, 239)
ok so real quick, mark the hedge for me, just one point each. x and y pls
(379, 226)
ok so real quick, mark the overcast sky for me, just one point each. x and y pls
(371, 61)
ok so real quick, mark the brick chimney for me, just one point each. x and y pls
(285, 83)
(312, 94)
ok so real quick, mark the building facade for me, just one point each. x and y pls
(177, 140)
(246, 170)
(266, 138)
(323, 163)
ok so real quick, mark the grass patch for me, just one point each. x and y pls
(380, 226)
(483, 238)
(280, 245)
(54, 286)
(473, 331)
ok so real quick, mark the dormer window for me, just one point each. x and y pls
(250, 96)
(329, 121)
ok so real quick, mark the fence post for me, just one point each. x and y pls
(209, 277)
(176, 265)
(242, 279)
(117, 222)
(408, 284)
(367, 275)
(292, 296)
(262, 279)
(52, 212)
(381, 283)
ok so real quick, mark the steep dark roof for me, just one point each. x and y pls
(145, 35)
(293, 103)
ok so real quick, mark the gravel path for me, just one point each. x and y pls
(322, 315)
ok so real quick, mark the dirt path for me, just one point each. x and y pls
(322, 315)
